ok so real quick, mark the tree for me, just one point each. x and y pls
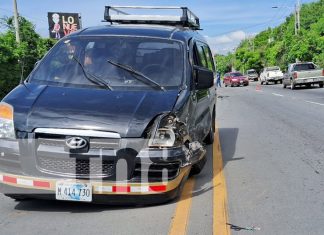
(13, 55)
(286, 47)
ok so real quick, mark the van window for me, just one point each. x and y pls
(205, 56)
(209, 56)
(202, 56)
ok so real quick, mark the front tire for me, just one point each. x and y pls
(210, 137)
(321, 85)
(199, 166)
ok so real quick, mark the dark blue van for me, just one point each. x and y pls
(117, 113)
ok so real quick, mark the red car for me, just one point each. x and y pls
(235, 79)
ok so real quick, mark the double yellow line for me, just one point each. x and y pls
(220, 215)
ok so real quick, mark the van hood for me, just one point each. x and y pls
(125, 112)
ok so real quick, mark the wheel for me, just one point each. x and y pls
(321, 85)
(280, 81)
(261, 83)
(275, 82)
(267, 83)
(292, 85)
(232, 85)
(17, 197)
(199, 166)
(210, 137)
(225, 85)
(284, 86)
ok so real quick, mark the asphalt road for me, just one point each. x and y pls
(272, 149)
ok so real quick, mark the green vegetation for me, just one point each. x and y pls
(13, 56)
(284, 46)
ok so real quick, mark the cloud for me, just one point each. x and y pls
(228, 42)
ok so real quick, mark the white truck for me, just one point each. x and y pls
(271, 74)
(303, 74)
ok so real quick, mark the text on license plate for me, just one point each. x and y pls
(71, 191)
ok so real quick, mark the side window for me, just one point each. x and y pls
(209, 56)
(202, 56)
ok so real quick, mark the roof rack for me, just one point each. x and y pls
(185, 18)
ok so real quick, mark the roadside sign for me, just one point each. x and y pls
(62, 24)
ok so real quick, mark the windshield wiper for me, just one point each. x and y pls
(137, 73)
(96, 80)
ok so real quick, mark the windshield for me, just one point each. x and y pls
(251, 72)
(236, 74)
(301, 67)
(73, 61)
(273, 69)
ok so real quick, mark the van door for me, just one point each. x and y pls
(205, 99)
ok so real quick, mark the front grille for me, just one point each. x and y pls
(54, 157)
(77, 167)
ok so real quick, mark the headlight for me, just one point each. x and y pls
(7, 130)
(168, 132)
(163, 138)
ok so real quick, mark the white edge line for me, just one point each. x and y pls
(277, 94)
(311, 102)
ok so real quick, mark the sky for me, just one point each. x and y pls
(224, 22)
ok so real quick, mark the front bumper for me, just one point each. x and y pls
(239, 83)
(149, 171)
(35, 185)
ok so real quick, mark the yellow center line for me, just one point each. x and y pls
(220, 216)
(220, 213)
(182, 213)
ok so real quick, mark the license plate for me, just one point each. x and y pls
(71, 191)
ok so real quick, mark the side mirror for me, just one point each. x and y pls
(204, 78)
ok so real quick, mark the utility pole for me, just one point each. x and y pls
(16, 21)
(297, 17)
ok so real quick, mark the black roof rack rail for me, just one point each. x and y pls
(118, 14)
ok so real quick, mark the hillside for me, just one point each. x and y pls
(284, 47)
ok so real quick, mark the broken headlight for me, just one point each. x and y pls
(7, 130)
(167, 132)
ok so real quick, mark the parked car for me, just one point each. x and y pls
(252, 75)
(235, 79)
(108, 115)
(271, 74)
(303, 74)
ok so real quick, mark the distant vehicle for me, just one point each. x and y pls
(235, 79)
(252, 75)
(300, 74)
(271, 74)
